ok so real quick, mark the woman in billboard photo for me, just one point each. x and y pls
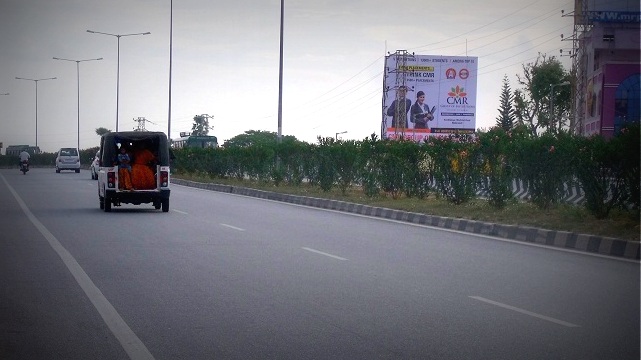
(420, 113)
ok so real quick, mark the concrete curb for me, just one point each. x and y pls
(563, 239)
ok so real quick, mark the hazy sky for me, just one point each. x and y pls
(226, 58)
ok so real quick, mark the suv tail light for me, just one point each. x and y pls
(164, 178)
(111, 180)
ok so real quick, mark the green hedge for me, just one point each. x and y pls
(455, 168)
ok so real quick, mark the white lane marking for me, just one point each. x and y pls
(505, 306)
(324, 253)
(132, 345)
(232, 227)
(180, 212)
(517, 242)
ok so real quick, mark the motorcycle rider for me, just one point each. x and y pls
(24, 157)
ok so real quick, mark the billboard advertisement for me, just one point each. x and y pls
(588, 12)
(427, 95)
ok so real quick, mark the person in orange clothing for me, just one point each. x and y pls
(124, 169)
(143, 177)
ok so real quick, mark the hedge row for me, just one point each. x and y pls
(455, 167)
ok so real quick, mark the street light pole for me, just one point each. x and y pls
(78, 83)
(280, 74)
(171, 37)
(36, 81)
(552, 86)
(118, 36)
(338, 133)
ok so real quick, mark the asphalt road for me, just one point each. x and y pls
(222, 276)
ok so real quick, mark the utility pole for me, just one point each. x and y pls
(582, 25)
(400, 113)
(141, 124)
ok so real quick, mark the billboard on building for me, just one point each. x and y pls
(606, 11)
(427, 95)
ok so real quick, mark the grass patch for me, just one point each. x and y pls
(620, 224)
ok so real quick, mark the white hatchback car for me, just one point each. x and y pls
(68, 159)
(95, 166)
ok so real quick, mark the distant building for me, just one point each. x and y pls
(15, 150)
(608, 64)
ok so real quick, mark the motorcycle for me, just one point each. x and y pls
(24, 167)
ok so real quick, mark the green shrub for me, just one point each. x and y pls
(456, 166)
(496, 174)
(544, 163)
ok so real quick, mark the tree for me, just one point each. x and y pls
(506, 117)
(256, 137)
(201, 125)
(101, 131)
(532, 102)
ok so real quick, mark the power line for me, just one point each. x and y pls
(141, 123)
(481, 27)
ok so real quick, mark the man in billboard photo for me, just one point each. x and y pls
(403, 108)
(420, 113)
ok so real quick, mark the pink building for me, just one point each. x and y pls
(608, 66)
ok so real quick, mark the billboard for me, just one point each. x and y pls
(427, 95)
(588, 12)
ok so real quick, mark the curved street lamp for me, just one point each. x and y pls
(78, 81)
(36, 81)
(338, 133)
(118, 36)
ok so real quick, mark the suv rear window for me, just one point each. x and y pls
(68, 152)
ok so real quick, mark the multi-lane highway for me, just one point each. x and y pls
(222, 276)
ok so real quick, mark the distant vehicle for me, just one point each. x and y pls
(68, 159)
(15, 150)
(95, 166)
(24, 166)
(153, 147)
(195, 141)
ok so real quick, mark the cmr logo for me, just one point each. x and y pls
(457, 96)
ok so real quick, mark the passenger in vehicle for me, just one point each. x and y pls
(143, 177)
(124, 169)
